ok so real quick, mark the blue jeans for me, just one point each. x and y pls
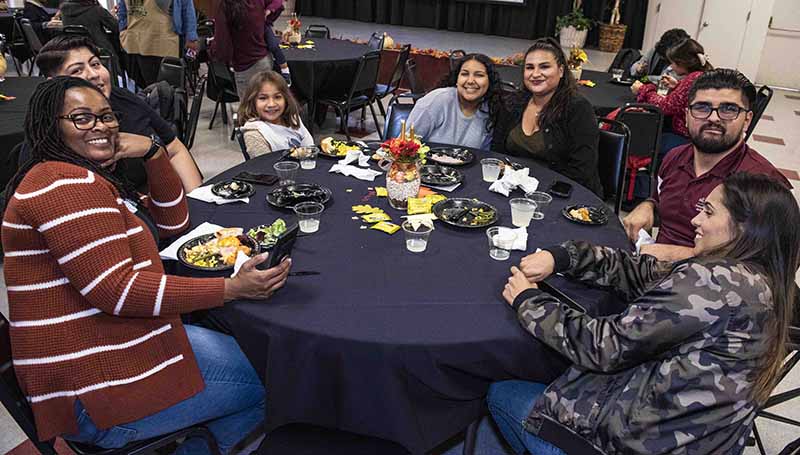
(232, 403)
(510, 403)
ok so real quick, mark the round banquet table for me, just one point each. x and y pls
(605, 96)
(384, 342)
(12, 119)
(326, 70)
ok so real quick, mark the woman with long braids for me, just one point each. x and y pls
(550, 120)
(696, 352)
(463, 109)
(239, 39)
(97, 341)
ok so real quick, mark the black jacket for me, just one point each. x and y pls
(571, 143)
(96, 20)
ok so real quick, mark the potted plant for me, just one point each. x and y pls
(612, 34)
(573, 28)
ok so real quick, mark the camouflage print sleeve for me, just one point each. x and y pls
(684, 304)
(627, 274)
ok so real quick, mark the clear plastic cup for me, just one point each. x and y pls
(491, 169)
(417, 239)
(501, 240)
(307, 157)
(522, 210)
(542, 200)
(308, 216)
(287, 171)
(616, 73)
(663, 88)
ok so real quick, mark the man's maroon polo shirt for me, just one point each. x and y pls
(681, 192)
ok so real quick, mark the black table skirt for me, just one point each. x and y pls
(12, 119)
(328, 69)
(605, 96)
(387, 343)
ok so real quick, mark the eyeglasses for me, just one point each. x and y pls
(87, 120)
(725, 111)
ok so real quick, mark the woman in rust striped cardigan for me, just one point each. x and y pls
(97, 340)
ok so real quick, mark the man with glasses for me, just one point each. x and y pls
(718, 116)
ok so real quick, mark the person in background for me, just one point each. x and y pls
(462, 111)
(549, 120)
(270, 116)
(697, 351)
(239, 39)
(81, 257)
(688, 60)
(102, 26)
(719, 113)
(654, 62)
(154, 29)
(36, 12)
(274, 10)
(140, 125)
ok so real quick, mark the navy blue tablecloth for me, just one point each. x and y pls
(388, 343)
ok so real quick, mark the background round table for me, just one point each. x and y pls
(326, 70)
(605, 96)
(12, 120)
(388, 343)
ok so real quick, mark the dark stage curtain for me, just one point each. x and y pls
(536, 19)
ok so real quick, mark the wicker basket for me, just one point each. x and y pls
(612, 37)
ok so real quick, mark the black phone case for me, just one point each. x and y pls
(283, 247)
(560, 194)
(257, 179)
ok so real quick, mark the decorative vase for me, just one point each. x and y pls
(295, 37)
(402, 182)
(570, 37)
(576, 73)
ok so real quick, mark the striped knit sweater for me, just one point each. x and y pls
(93, 316)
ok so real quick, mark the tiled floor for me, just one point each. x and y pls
(777, 137)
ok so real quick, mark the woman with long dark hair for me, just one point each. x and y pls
(97, 341)
(239, 39)
(463, 109)
(549, 120)
(688, 61)
(697, 351)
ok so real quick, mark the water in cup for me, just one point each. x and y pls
(308, 164)
(309, 226)
(491, 168)
(416, 236)
(522, 210)
(501, 240)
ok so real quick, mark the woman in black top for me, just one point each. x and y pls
(549, 120)
(101, 25)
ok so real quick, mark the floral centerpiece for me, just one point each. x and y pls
(406, 152)
(292, 32)
(577, 57)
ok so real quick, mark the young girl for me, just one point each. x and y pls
(270, 116)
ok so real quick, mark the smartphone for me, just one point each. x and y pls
(258, 179)
(560, 189)
(283, 248)
(563, 298)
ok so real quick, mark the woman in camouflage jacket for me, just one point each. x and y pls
(685, 367)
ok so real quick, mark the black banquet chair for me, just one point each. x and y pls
(317, 31)
(361, 94)
(20, 410)
(384, 90)
(221, 89)
(376, 41)
(645, 122)
(417, 91)
(32, 40)
(194, 114)
(763, 98)
(612, 151)
(397, 112)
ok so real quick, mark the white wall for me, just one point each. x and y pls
(780, 65)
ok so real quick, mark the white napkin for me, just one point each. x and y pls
(352, 171)
(353, 155)
(521, 241)
(416, 221)
(513, 179)
(171, 252)
(203, 193)
(644, 239)
(241, 258)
